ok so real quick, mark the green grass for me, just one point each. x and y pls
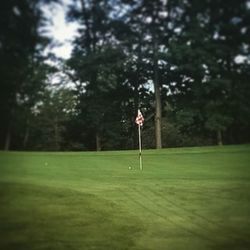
(189, 198)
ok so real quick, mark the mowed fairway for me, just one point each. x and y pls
(190, 198)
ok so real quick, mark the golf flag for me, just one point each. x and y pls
(139, 119)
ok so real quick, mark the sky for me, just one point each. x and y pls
(61, 31)
(62, 34)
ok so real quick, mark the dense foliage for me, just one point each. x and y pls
(22, 68)
(184, 63)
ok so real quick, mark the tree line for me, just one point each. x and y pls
(185, 64)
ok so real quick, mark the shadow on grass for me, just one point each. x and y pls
(39, 217)
(233, 245)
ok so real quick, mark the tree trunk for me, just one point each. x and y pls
(158, 115)
(98, 142)
(7, 138)
(26, 135)
(219, 138)
(57, 145)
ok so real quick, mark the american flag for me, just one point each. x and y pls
(139, 119)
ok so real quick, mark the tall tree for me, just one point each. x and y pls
(206, 73)
(20, 44)
(148, 22)
(96, 61)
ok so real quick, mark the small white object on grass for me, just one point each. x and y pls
(129, 168)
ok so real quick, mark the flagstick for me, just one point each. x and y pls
(140, 156)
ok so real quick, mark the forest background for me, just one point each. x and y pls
(184, 63)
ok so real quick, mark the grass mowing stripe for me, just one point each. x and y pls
(178, 218)
(182, 210)
(192, 217)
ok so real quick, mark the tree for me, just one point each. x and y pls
(148, 19)
(50, 118)
(97, 62)
(204, 69)
(20, 47)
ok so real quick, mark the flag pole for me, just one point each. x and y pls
(139, 121)
(140, 151)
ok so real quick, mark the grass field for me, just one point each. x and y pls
(189, 198)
